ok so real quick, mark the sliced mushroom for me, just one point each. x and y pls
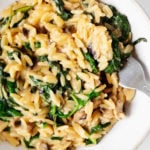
(80, 117)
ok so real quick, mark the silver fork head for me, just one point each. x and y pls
(132, 74)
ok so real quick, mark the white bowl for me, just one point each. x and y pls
(128, 133)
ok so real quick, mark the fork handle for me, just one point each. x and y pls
(146, 89)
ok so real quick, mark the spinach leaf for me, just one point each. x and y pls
(93, 94)
(96, 129)
(11, 86)
(53, 111)
(115, 63)
(36, 136)
(63, 88)
(37, 44)
(7, 129)
(3, 21)
(43, 58)
(37, 82)
(11, 56)
(53, 114)
(120, 22)
(56, 138)
(2, 66)
(41, 84)
(11, 102)
(6, 111)
(78, 78)
(44, 124)
(124, 56)
(90, 141)
(3, 76)
(28, 143)
(23, 9)
(118, 57)
(52, 64)
(139, 40)
(45, 92)
(99, 127)
(13, 112)
(44, 88)
(63, 13)
(7, 20)
(17, 23)
(3, 107)
(27, 46)
(92, 62)
(79, 103)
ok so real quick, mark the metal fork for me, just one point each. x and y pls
(133, 76)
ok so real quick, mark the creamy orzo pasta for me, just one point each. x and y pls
(58, 72)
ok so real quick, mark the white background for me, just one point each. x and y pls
(145, 4)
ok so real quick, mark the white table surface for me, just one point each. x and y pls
(145, 4)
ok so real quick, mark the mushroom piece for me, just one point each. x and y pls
(80, 117)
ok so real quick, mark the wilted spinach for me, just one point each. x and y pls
(99, 127)
(11, 86)
(118, 21)
(78, 104)
(61, 71)
(11, 54)
(28, 143)
(115, 63)
(43, 87)
(63, 13)
(139, 40)
(6, 87)
(6, 112)
(93, 94)
(37, 44)
(56, 138)
(23, 9)
(90, 141)
(92, 62)
(27, 46)
(3, 21)
(7, 20)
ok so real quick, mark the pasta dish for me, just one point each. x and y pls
(59, 59)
